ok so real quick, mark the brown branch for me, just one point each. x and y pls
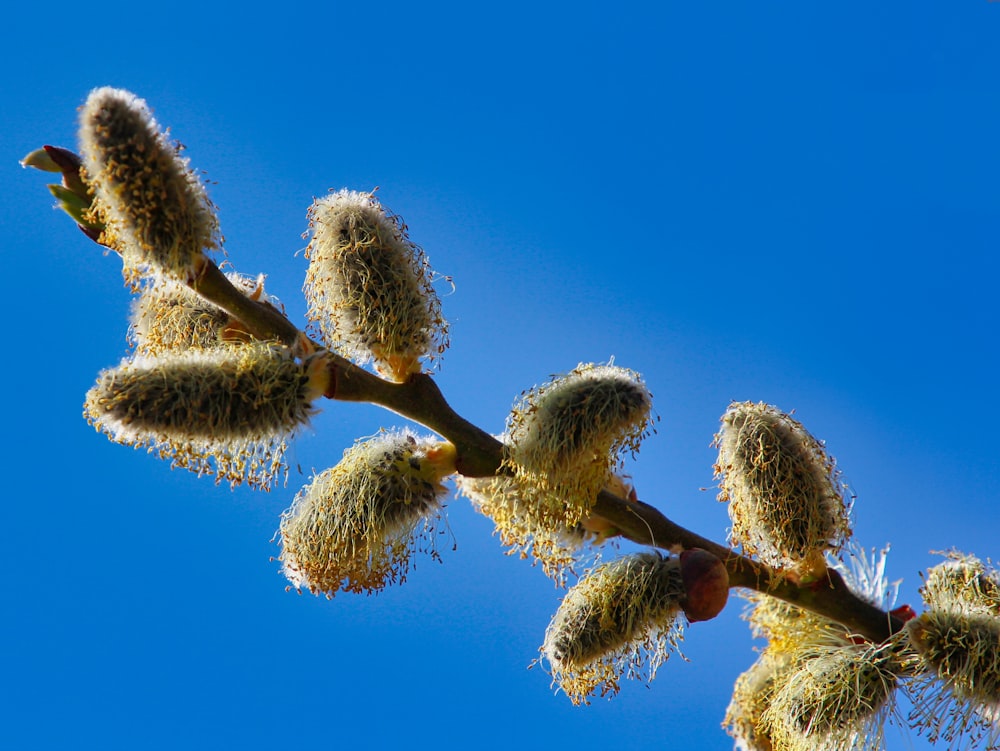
(480, 455)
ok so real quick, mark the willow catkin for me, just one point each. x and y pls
(168, 316)
(156, 210)
(956, 648)
(564, 439)
(227, 411)
(785, 500)
(963, 583)
(369, 288)
(618, 620)
(355, 526)
(832, 698)
(751, 698)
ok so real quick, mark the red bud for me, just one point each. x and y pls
(706, 584)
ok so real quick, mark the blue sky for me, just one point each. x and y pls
(797, 204)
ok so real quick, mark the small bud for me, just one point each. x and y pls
(565, 438)
(619, 618)
(354, 527)
(70, 165)
(169, 316)
(78, 208)
(227, 412)
(706, 584)
(785, 499)
(40, 159)
(369, 288)
(157, 212)
(833, 698)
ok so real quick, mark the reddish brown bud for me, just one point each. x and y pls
(904, 613)
(706, 584)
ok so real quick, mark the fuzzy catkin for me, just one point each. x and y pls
(963, 650)
(369, 288)
(157, 212)
(169, 316)
(752, 694)
(785, 499)
(618, 619)
(354, 527)
(564, 439)
(227, 411)
(962, 583)
(833, 698)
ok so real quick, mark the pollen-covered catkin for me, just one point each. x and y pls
(962, 649)
(620, 618)
(226, 411)
(963, 583)
(785, 499)
(355, 526)
(957, 688)
(752, 694)
(169, 316)
(157, 212)
(369, 288)
(564, 439)
(833, 698)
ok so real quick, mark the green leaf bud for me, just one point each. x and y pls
(369, 288)
(156, 210)
(619, 619)
(78, 208)
(227, 412)
(40, 159)
(785, 498)
(355, 526)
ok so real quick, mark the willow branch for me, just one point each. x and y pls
(481, 455)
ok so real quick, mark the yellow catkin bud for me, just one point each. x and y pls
(169, 316)
(751, 697)
(963, 583)
(565, 439)
(157, 212)
(785, 499)
(369, 288)
(620, 618)
(355, 526)
(227, 412)
(834, 699)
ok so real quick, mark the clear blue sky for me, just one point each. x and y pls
(790, 202)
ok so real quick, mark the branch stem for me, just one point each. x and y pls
(480, 455)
